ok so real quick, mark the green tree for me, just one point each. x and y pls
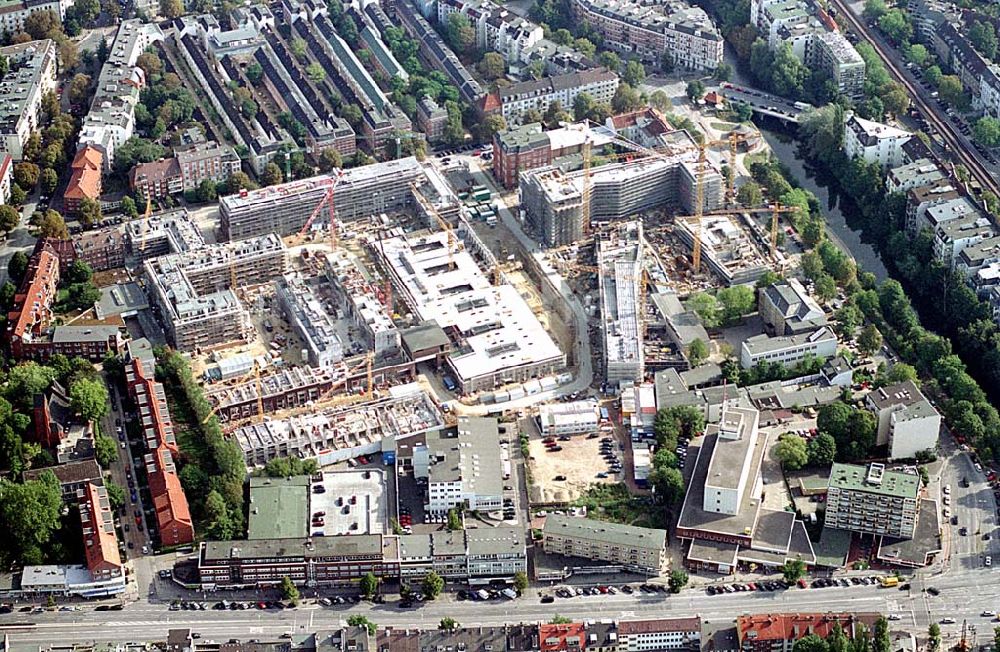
(289, 592)
(585, 47)
(933, 637)
(492, 66)
(433, 585)
(272, 175)
(809, 642)
(454, 520)
(217, 516)
(678, 580)
(750, 195)
(821, 450)
(708, 308)
(521, 582)
(634, 73)
(81, 296)
(951, 91)
(560, 620)
(917, 54)
(30, 513)
(454, 132)
(695, 90)
(171, 8)
(459, 33)
(793, 570)
(448, 624)
(26, 380)
(659, 100)
(26, 175)
(89, 399)
(900, 373)
(870, 340)
(896, 25)
(9, 218)
(17, 195)
(610, 60)
(848, 319)
(826, 287)
(791, 452)
(254, 71)
(984, 38)
(737, 301)
(79, 272)
(90, 211)
(669, 484)
(116, 494)
(105, 451)
(7, 294)
(626, 99)
(52, 225)
(986, 131)
(874, 9)
(697, 352)
(933, 75)
(357, 620)
(368, 585)
(880, 639)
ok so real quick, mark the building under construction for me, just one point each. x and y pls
(193, 291)
(495, 337)
(173, 232)
(366, 304)
(342, 432)
(310, 319)
(733, 246)
(285, 208)
(553, 201)
(283, 389)
(620, 265)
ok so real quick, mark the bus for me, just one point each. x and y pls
(888, 581)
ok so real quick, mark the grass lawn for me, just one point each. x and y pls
(614, 503)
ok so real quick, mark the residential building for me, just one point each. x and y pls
(92, 341)
(462, 467)
(170, 232)
(951, 237)
(100, 543)
(918, 200)
(73, 477)
(978, 255)
(934, 213)
(190, 165)
(620, 265)
(497, 339)
(573, 418)
(85, 180)
(631, 548)
(197, 304)
(872, 500)
(55, 423)
(432, 118)
(315, 326)
(284, 208)
(874, 142)
(787, 309)
(779, 632)
(788, 350)
(918, 174)
(511, 101)
(495, 554)
(682, 328)
(833, 53)
(497, 29)
(382, 58)
(31, 75)
(681, 30)
(102, 249)
(156, 179)
(15, 12)
(659, 634)
(111, 119)
(907, 422)
(32, 314)
(6, 176)
(173, 516)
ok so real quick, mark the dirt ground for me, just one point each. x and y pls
(579, 460)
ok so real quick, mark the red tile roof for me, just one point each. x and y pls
(173, 516)
(571, 636)
(99, 541)
(32, 305)
(85, 182)
(793, 626)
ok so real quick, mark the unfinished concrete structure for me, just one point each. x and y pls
(496, 338)
(304, 310)
(344, 432)
(364, 302)
(619, 263)
(194, 294)
(285, 208)
(283, 389)
(173, 232)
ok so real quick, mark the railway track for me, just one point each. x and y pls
(959, 150)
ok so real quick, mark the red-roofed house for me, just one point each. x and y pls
(85, 182)
(100, 544)
(173, 516)
(570, 636)
(32, 312)
(778, 632)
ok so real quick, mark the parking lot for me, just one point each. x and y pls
(563, 467)
(354, 502)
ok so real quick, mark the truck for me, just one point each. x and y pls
(888, 581)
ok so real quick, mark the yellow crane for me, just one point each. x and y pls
(775, 210)
(260, 394)
(732, 142)
(431, 210)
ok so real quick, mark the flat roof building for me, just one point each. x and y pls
(31, 74)
(278, 508)
(872, 500)
(497, 339)
(637, 549)
(620, 269)
(907, 423)
(568, 418)
(788, 350)
(462, 466)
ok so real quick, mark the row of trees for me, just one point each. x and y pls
(670, 427)
(213, 469)
(968, 346)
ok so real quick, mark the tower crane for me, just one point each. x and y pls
(326, 201)
(431, 210)
(775, 210)
(732, 142)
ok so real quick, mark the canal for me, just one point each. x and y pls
(785, 148)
